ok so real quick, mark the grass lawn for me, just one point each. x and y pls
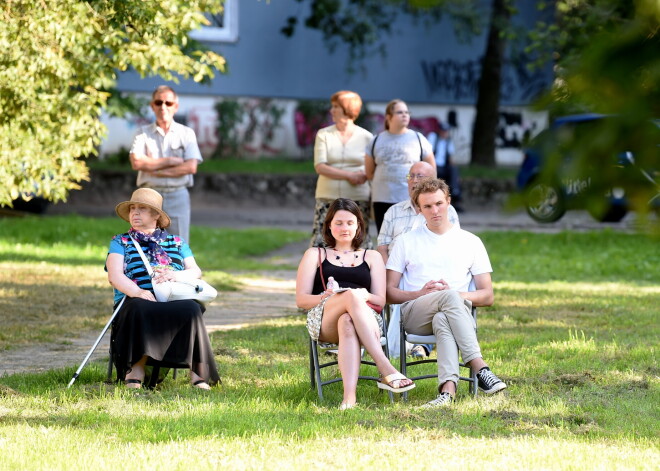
(283, 165)
(62, 260)
(573, 332)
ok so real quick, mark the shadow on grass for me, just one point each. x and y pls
(43, 312)
(266, 392)
(52, 259)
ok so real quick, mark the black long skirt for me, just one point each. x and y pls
(172, 335)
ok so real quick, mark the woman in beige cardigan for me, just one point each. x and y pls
(339, 160)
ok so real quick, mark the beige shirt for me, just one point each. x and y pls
(328, 149)
(180, 141)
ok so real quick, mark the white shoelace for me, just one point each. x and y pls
(488, 378)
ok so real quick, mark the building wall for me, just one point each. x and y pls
(425, 64)
(259, 136)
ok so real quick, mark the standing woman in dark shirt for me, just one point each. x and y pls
(345, 318)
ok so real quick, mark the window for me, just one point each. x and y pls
(223, 27)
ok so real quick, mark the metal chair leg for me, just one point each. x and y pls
(108, 378)
(317, 370)
(312, 367)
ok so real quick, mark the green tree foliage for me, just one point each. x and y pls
(360, 25)
(364, 25)
(613, 69)
(59, 59)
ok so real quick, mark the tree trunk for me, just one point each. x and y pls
(488, 94)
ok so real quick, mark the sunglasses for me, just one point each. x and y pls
(167, 103)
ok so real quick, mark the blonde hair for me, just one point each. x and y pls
(348, 101)
(429, 185)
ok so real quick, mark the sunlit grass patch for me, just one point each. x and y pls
(77, 240)
(577, 350)
(267, 413)
(596, 256)
(52, 277)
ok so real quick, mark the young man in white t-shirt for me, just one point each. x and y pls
(429, 272)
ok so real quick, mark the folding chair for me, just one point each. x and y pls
(430, 339)
(315, 366)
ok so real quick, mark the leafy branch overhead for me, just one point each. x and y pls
(364, 26)
(58, 62)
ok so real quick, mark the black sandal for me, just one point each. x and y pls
(133, 381)
(201, 381)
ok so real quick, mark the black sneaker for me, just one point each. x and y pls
(419, 351)
(488, 382)
(443, 400)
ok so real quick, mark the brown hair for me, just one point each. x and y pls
(348, 101)
(429, 185)
(346, 205)
(164, 88)
(389, 111)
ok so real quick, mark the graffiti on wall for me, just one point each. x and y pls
(458, 80)
(241, 127)
(266, 127)
(513, 131)
(203, 121)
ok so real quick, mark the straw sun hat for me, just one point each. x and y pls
(147, 197)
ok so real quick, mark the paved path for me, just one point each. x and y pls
(476, 218)
(262, 298)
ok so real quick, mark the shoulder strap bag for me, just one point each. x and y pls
(197, 290)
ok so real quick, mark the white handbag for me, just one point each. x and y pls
(197, 290)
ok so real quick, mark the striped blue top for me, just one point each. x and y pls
(134, 267)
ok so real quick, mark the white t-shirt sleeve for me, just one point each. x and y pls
(453, 216)
(427, 148)
(396, 260)
(481, 262)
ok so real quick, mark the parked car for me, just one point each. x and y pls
(552, 181)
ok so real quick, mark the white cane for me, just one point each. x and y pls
(96, 344)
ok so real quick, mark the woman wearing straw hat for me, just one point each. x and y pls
(146, 332)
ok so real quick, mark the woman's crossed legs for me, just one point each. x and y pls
(349, 322)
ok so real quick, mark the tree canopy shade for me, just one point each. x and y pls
(618, 74)
(359, 24)
(59, 59)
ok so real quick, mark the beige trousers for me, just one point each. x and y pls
(448, 316)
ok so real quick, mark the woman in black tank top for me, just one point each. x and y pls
(345, 317)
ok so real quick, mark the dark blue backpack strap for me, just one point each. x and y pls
(373, 145)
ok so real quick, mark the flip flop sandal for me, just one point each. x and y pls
(133, 381)
(386, 382)
(201, 381)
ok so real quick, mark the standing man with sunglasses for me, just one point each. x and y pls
(166, 155)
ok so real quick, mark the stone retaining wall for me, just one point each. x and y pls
(265, 189)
